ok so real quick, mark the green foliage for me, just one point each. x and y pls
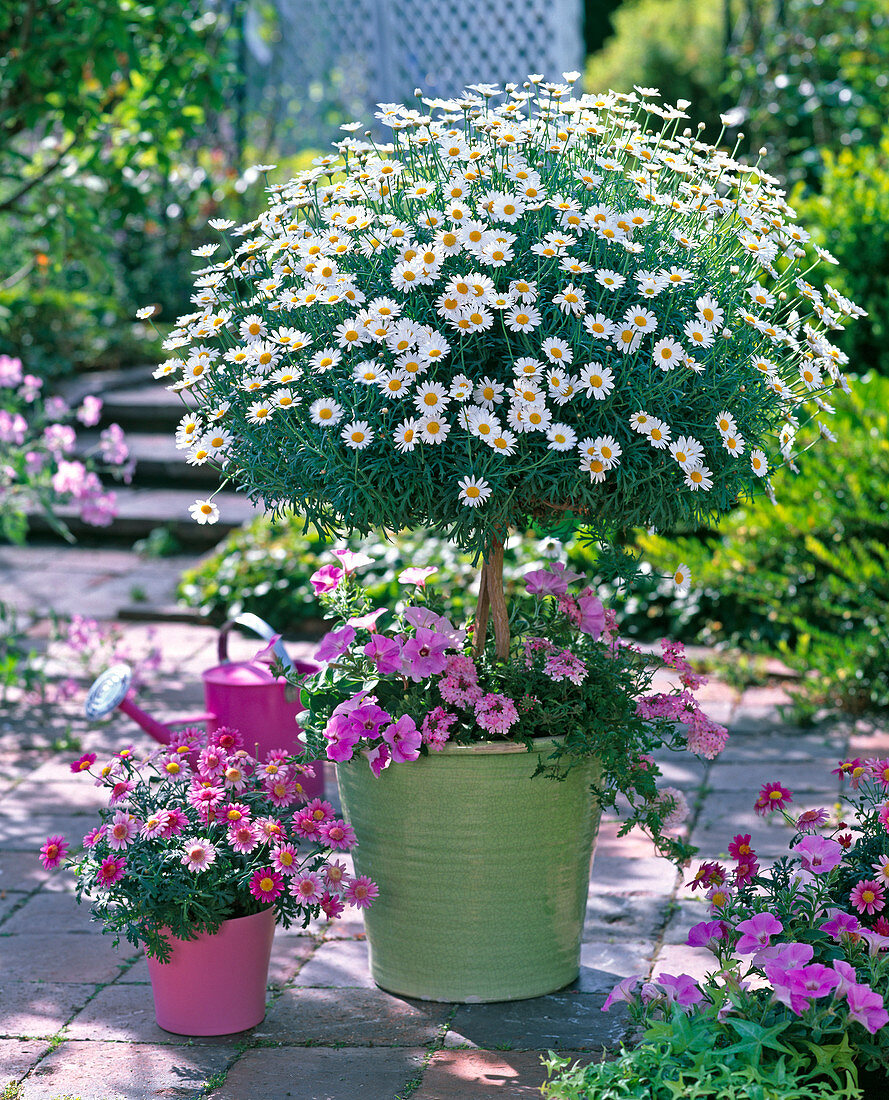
(703, 1058)
(851, 210)
(808, 578)
(674, 45)
(808, 76)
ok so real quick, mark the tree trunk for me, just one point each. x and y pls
(492, 604)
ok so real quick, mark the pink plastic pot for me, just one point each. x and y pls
(216, 984)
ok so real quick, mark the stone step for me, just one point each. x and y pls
(141, 510)
(159, 462)
(150, 407)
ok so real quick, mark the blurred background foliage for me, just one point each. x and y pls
(125, 126)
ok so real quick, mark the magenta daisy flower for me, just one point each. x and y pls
(228, 739)
(266, 884)
(197, 855)
(205, 798)
(178, 821)
(880, 771)
(360, 892)
(120, 792)
(308, 888)
(269, 828)
(84, 763)
(53, 851)
(809, 820)
(234, 813)
(112, 870)
(211, 762)
(773, 796)
(154, 827)
(332, 905)
(236, 774)
(242, 837)
(335, 875)
(740, 847)
(281, 790)
(286, 859)
(94, 836)
(868, 896)
(338, 835)
(122, 831)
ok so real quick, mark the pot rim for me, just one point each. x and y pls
(496, 748)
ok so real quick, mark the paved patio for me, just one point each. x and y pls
(76, 1015)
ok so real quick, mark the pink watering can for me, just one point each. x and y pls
(244, 695)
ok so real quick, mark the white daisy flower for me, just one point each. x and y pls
(758, 463)
(557, 351)
(489, 392)
(431, 397)
(259, 412)
(434, 429)
(643, 320)
(668, 353)
(659, 434)
(325, 412)
(681, 579)
(733, 443)
(710, 311)
(394, 383)
(611, 280)
(699, 334)
(688, 452)
(725, 423)
(699, 478)
(367, 372)
(324, 360)
(204, 511)
(529, 369)
(522, 318)
(599, 326)
(640, 422)
(627, 338)
(473, 491)
(481, 422)
(357, 435)
(533, 418)
(461, 387)
(571, 299)
(406, 436)
(505, 443)
(608, 449)
(283, 398)
(561, 437)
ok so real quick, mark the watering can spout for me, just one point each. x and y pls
(111, 690)
(152, 726)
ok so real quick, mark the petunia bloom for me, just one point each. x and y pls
(818, 854)
(623, 991)
(326, 579)
(757, 932)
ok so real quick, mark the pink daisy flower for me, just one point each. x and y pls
(94, 836)
(281, 791)
(235, 775)
(772, 797)
(53, 851)
(122, 831)
(338, 835)
(868, 896)
(120, 792)
(335, 875)
(810, 820)
(205, 798)
(286, 859)
(84, 763)
(266, 884)
(740, 847)
(879, 769)
(360, 892)
(228, 739)
(174, 767)
(233, 813)
(155, 826)
(242, 837)
(883, 816)
(197, 855)
(332, 905)
(178, 821)
(111, 871)
(269, 828)
(307, 888)
(211, 762)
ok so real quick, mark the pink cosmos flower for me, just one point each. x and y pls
(818, 854)
(757, 932)
(681, 989)
(123, 831)
(424, 654)
(868, 896)
(266, 884)
(740, 847)
(705, 932)
(385, 654)
(236, 774)
(205, 799)
(338, 835)
(418, 575)
(281, 790)
(360, 892)
(307, 888)
(332, 905)
(334, 644)
(242, 837)
(198, 855)
(174, 766)
(496, 713)
(866, 1007)
(772, 797)
(112, 871)
(307, 822)
(232, 813)
(53, 851)
(326, 579)
(84, 763)
(404, 739)
(623, 991)
(746, 871)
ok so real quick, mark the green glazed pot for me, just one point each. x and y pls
(483, 873)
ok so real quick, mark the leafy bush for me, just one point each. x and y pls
(851, 211)
(809, 576)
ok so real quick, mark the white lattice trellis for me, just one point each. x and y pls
(329, 59)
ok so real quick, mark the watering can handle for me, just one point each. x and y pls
(258, 626)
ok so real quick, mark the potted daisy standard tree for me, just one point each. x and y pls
(529, 307)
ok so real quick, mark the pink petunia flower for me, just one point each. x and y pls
(424, 655)
(360, 892)
(623, 991)
(266, 884)
(592, 613)
(378, 758)
(326, 579)
(681, 989)
(385, 654)
(818, 854)
(198, 855)
(334, 644)
(866, 1007)
(706, 932)
(788, 956)
(868, 896)
(840, 925)
(111, 871)
(53, 851)
(757, 932)
(552, 581)
(418, 575)
(352, 559)
(798, 986)
(404, 739)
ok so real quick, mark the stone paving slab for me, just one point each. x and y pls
(321, 1073)
(17, 1056)
(61, 957)
(39, 1008)
(50, 913)
(486, 1074)
(341, 963)
(124, 1071)
(352, 1017)
(566, 1021)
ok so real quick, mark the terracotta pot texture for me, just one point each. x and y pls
(215, 985)
(483, 872)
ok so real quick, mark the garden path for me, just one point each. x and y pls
(76, 1015)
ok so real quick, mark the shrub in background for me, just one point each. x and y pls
(808, 577)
